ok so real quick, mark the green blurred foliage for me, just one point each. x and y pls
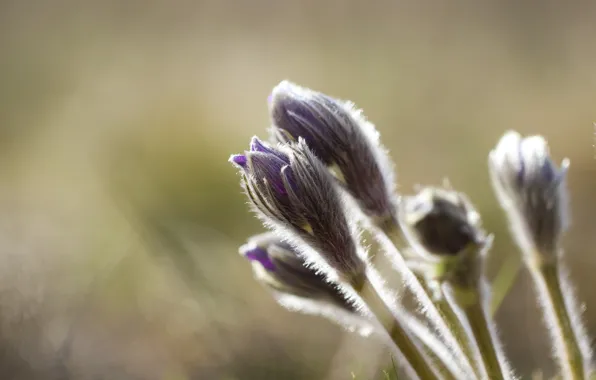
(121, 217)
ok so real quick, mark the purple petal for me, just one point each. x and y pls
(288, 178)
(548, 171)
(314, 117)
(256, 145)
(260, 255)
(268, 167)
(239, 160)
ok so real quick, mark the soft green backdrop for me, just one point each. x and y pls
(120, 217)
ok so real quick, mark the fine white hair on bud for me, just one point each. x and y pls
(531, 189)
(278, 266)
(293, 193)
(341, 137)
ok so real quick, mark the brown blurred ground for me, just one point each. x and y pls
(120, 217)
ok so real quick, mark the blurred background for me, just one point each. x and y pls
(120, 217)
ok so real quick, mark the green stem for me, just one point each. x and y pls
(550, 293)
(434, 349)
(459, 331)
(481, 331)
(504, 281)
(469, 302)
(439, 364)
(396, 331)
(408, 348)
(391, 239)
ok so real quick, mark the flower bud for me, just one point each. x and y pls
(292, 191)
(341, 138)
(279, 267)
(445, 233)
(531, 190)
(442, 222)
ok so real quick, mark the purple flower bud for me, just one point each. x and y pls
(291, 189)
(342, 139)
(286, 271)
(531, 189)
(298, 112)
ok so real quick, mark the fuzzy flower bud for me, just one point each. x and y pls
(291, 190)
(531, 190)
(341, 137)
(442, 222)
(279, 267)
(444, 231)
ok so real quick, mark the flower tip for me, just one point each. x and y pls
(238, 160)
(508, 149)
(280, 89)
(283, 90)
(256, 145)
(512, 134)
(509, 140)
(284, 86)
(535, 146)
(257, 254)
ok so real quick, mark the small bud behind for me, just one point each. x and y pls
(445, 233)
(441, 221)
(531, 190)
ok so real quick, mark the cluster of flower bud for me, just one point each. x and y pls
(324, 169)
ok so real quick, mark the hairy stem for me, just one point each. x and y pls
(434, 349)
(386, 239)
(470, 306)
(395, 329)
(460, 332)
(559, 318)
(481, 331)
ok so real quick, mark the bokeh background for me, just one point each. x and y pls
(120, 217)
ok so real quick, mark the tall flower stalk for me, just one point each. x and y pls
(532, 192)
(445, 232)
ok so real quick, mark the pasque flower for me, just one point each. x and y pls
(293, 192)
(340, 137)
(324, 152)
(282, 269)
(443, 222)
(531, 189)
(444, 230)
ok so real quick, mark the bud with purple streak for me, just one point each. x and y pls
(531, 189)
(292, 191)
(279, 267)
(340, 137)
